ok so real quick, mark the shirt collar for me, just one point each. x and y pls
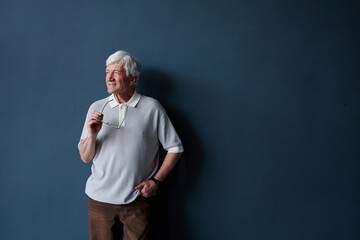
(131, 103)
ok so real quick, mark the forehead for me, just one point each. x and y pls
(115, 66)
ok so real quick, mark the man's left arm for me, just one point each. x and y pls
(149, 186)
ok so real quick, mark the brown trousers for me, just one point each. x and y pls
(106, 219)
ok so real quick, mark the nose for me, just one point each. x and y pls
(110, 76)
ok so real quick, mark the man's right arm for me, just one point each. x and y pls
(88, 147)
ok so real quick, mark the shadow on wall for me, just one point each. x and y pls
(170, 203)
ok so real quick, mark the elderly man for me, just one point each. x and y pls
(121, 136)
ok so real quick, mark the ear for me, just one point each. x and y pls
(133, 81)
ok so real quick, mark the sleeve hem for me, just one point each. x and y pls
(177, 149)
(80, 142)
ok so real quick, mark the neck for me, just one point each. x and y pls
(124, 97)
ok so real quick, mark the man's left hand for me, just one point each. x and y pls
(147, 187)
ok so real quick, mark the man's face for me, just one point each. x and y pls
(116, 79)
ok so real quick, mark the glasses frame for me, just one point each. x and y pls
(109, 124)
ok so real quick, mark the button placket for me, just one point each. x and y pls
(122, 111)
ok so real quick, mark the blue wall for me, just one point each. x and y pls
(265, 95)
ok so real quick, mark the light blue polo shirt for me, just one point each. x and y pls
(127, 156)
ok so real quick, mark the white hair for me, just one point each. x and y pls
(131, 64)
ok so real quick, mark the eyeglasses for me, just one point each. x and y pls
(109, 124)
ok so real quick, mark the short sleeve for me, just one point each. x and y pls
(85, 132)
(167, 134)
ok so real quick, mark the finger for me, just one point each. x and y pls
(146, 189)
(93, 117)
(96, 119)
(94, 126)
(140, 185)
(99, 114)
(96, 116)
(92, 122)
(144, 193)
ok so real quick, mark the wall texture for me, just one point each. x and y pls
(265, 95)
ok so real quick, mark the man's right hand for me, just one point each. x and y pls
(94, 123)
